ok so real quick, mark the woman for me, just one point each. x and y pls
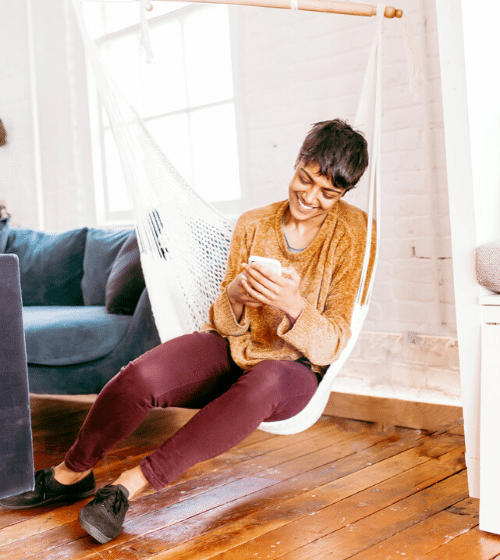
(259, 358)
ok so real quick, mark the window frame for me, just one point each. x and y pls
(104, 216)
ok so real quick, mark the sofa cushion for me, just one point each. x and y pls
(101, 249)
(126, 281)
(4, 232)
(488, 265)
(62, 335)
(51, 265)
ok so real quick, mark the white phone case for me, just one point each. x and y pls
(272, 264)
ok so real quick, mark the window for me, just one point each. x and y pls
(185, 97)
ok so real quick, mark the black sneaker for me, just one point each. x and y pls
(103, 516)
(48, 491)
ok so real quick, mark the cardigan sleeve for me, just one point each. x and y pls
(221, 315)
(319, 337)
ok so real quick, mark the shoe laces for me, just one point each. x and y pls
(112, 498)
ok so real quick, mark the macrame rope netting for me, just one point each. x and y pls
(184, 241)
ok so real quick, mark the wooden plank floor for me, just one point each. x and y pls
(343, 489)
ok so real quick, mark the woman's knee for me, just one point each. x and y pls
(164, 374)
(146, 375)
(131, 383)
(263, 382)
(279, 382)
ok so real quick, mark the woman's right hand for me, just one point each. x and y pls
(237, 293)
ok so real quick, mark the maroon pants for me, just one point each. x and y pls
(192, 371)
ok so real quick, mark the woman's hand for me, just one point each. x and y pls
(281, 292)
(239, 297)
(237, 292)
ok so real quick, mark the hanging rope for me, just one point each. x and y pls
(145, 41)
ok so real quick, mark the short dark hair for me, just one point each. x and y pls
(339, 150)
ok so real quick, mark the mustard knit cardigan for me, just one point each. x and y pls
(330, 271)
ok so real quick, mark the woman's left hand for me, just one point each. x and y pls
(281, 292)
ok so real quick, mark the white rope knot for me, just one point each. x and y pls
(145, 6)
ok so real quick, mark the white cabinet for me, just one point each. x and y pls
(489, 510)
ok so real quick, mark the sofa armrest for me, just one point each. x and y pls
(16, 448)
(142, 334)
(90, 377)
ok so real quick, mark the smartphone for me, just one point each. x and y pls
(272, 264)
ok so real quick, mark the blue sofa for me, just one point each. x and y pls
(86, 310)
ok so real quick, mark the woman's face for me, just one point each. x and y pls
(312, 195)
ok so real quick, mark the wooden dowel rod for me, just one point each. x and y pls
(328, 6)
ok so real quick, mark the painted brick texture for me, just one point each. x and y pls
(296, 69)
(300, 68)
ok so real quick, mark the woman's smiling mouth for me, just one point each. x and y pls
(304, 206)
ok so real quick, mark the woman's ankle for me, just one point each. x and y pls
(134, 481)
(64, 475)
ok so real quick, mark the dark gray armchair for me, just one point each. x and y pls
(16, 449)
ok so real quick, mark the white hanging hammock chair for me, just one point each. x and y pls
(184, 241)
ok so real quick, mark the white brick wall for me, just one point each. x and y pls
(296, 69)
(404, 366)
(293, 69)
